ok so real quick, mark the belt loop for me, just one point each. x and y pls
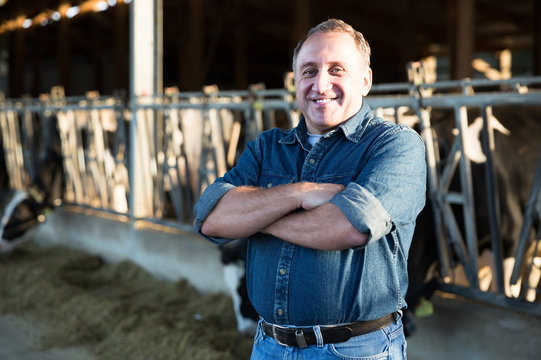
(319, 336)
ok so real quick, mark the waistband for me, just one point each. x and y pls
(306, 336)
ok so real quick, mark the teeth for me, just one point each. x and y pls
(322, 101)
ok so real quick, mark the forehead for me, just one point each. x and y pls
(329, 47)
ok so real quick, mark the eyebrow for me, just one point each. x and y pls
(315, 64)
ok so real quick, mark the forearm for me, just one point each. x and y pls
(322, 228)
(244, 211)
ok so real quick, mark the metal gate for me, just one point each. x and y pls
(458, 245)
(150, 159)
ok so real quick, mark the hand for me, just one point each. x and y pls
(315, 194)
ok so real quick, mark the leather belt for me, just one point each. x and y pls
(305, 336)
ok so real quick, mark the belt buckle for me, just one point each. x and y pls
(299, 336)
(275, 335)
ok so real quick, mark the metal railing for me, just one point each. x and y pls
(168, 147)
(458, 245)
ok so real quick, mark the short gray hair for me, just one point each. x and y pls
(336, 25)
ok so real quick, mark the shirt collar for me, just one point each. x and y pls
(353, 128)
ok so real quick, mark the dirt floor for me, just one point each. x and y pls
(66, 299)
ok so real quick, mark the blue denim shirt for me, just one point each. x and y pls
(382, 165)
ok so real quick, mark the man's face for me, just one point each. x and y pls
(330, 80)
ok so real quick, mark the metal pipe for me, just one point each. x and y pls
(487, 135)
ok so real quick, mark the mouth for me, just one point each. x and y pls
(324, 101)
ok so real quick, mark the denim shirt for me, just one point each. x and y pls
(383, 167)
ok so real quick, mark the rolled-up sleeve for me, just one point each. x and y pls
(364, 211)
(210, 197)
(390, 190)
(246, 172)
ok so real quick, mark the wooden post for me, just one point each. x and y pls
(36, 65)
(16, 64)
(97, 45)
(146, 80)
(301, 22)
(465, 38)
(241, 57)
(407, 32)
(191, 54)
(537, 38)
(146, 56)
(120, 65)
(64, 54)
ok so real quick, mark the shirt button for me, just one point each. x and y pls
(282, 271)
(311, 161)
(280, 312)
(269, 185)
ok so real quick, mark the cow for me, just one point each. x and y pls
(23, 210)
(515, 156)
(233, 257)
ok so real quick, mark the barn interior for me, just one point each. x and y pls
(86, 48)
(84, 45)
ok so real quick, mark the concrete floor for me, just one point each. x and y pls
(469, 330)
(20, 336)
(458, 329)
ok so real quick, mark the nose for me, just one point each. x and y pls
(322, 82)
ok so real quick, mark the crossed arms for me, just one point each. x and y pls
(299, 213)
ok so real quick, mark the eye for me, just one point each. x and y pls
(309, 72)
(337, 70)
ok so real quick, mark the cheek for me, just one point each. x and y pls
(352, 91)
(302, 86)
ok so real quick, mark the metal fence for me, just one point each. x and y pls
(151, 158)
(514, 281)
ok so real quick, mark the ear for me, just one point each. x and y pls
(367, 82)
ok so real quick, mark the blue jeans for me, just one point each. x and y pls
(387, 343)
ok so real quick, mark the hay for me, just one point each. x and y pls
(116, 311)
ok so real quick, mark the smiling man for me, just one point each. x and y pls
(329, 209)
(332, 75)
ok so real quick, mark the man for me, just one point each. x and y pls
(329, 208)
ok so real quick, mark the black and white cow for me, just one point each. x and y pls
(22, 210)
(517, 148)
(234, 263)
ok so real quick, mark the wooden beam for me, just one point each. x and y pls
(465, 38)
(37, 58)
(461, 35)
(120, 48)
(191, 54)
(301, 23)
(241, 56)
(145, 80)
(407, 32)
(536, 49)
(146, 56)
(17, 58)
(64, 54)
(96, 58)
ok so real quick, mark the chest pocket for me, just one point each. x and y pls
(271, 178)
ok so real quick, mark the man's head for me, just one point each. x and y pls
(332, 74)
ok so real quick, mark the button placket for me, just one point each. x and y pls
(282, 283)
(309, 169)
